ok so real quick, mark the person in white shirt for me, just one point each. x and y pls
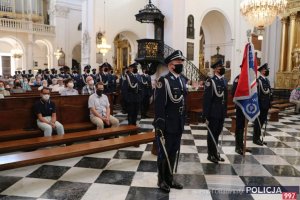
(100, 109)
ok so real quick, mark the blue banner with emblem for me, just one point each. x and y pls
(246, 92)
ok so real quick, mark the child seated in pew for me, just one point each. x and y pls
(45, 111)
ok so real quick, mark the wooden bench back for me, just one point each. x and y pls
(18, 113)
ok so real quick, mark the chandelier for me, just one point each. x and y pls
(103, 47)
(262, 13)
(17, 53)
(58, 53)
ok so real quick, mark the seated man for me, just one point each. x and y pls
(295, 98)
(100, 110)
(89, 88)
(45, 111)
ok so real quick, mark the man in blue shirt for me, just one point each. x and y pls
(45, 111)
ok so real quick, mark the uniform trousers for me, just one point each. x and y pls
(48, 129)
(216, 127)
(240, 125)
(132, 110)
(262, 119)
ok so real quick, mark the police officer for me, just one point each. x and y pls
(170, 94)
(147, 92)
(94, 75)
(76, 78)
(30, 74)
(214, 109)
(131, 92)
(53, 73)
(264, 92)
(240, 121)
(122, 80)
(103, 76)
(87, 70)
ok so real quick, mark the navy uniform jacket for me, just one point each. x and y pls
(264, 93)
(146, 84)
(104, 79)
(77, 80)
(170, 114)
(52, 76)
(94, 77)
(234, 85)
(131, 88)
(112, 84)
(215, 98)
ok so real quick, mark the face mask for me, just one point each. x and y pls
(99, 92)
(11, 82)
(178, 68)
(135, 70)
(54, 82)
(91, 82)
(46, 97)
(1, 88)
(222, 71)
(70, 85)
(25, 82)
(88, 71)
(267, 73)
(18, 84)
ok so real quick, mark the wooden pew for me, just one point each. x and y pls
(58, 153)
(38, 142)
(283, 106)
(19, 121)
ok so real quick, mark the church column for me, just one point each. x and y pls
(29, 54)
(291, 41)
(283, 45)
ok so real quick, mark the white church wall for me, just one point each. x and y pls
(119, 18)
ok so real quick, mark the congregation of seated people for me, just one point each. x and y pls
(45, 84)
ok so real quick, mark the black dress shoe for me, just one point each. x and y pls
(220, 158)
(164, 186)
(239, 151)
(213, 159)
(176, 185)
(258, 142)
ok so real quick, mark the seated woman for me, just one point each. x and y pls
(3, 91)
(25, 85)
(17, 87)
(69, 88)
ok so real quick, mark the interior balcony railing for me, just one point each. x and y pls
(26, 26)
(190, 70)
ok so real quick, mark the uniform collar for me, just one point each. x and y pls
(175, 75)
(219, 77)
(263, 77)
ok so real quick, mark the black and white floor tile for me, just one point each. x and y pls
(130, 173)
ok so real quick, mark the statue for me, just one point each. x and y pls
(86, 45)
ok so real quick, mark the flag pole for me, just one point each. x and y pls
(245, 136)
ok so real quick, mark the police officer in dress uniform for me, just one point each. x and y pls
(170, 94)
(264, 92)
(131, 92)
(240, 121)
(30, 74)
(103, 76)
(94, 75)
(87, 70)
(215, 109)
(147, 92)
(122, 80)
(53, 73)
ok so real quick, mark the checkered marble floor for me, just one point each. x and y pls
(130, 173)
